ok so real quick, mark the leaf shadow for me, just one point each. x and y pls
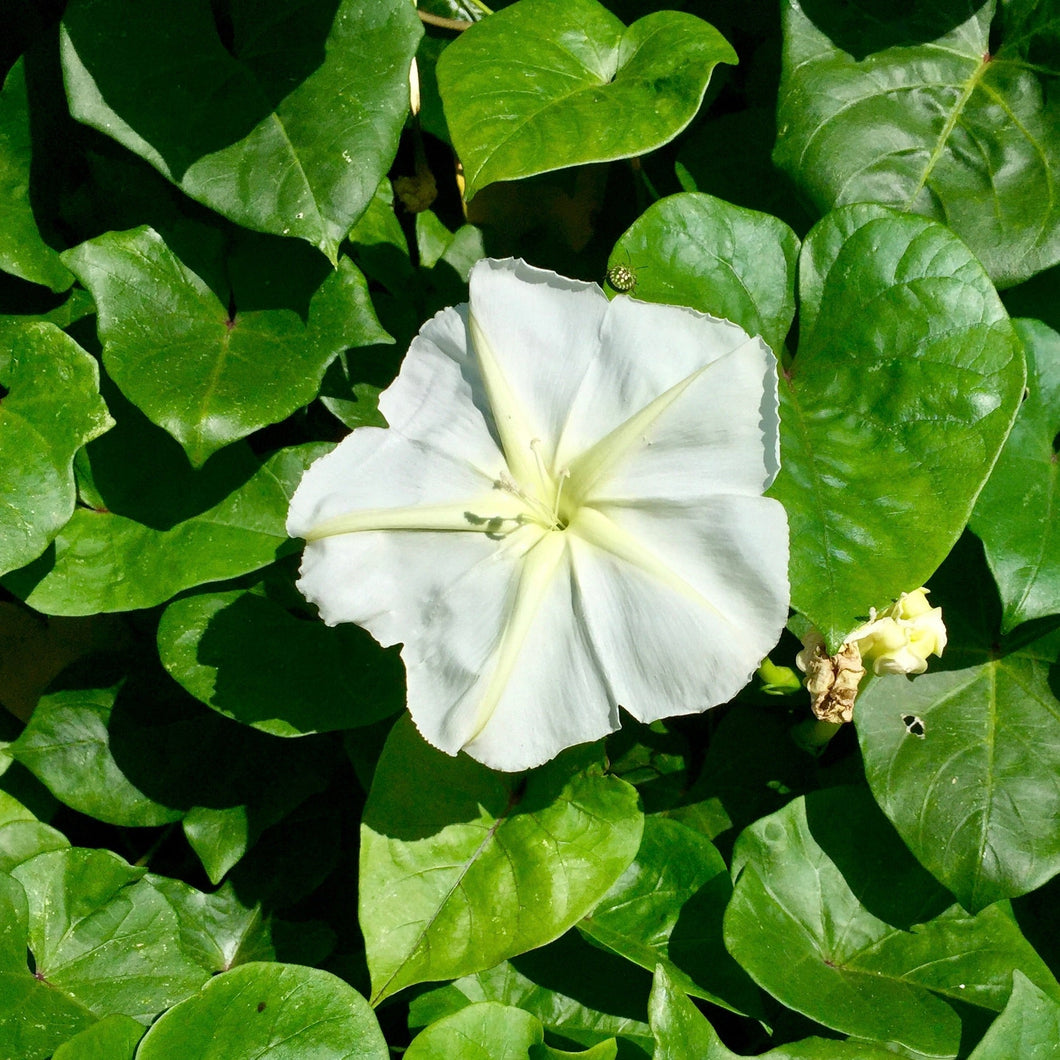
(189, 82)
(879, 869)
(862, 27)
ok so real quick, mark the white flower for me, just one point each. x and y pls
(564, 516)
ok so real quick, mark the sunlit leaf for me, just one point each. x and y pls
(208, 373)
(103, 561)
(666, 909)
(906, 381)
(49, 407)
(485, 1031)
(976, 796)
(22, 250)
(834, 917)
(1017, 516)
(699, 251)
(262, 1010)
(915, 108)
(682, 1032)
(1029, 1025)
(453, 852)
(546, 84)
(102, 937)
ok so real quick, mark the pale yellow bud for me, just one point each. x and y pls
(900, 638)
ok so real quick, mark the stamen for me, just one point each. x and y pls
(562, 476)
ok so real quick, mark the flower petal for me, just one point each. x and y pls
(711, 433)
(646, 349)
(543, 331)
(682, 602)
(440, 449)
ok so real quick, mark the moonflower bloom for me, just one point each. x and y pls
(564, 516)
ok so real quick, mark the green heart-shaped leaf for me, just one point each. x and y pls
(546, 84)
(928, 117)
(666, 910)
(103, 937)
(695, 250)
(452, 852)
(907, 379)
(50, 409)
(1017, 516)
(832, 915)
(206, 374)
(972, 790)
(260, 1010)
(314, 98)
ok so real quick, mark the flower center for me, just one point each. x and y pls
(544, 500)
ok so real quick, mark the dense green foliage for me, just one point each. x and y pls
(221, 223)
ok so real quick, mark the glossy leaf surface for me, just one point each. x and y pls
(277, 1011)
(836, 920)
(50, 409)
(23, 251)
(452, 853)
(919, 110)
(666, 909)
(207, 375)
(1017, 515)
(906, 382)
(699, 251)
(314, 99)
(103, 561)
(552, 83)
(976, 796)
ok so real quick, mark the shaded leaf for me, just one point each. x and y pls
(906, 382)
(925, 118)
(103, 561)
(451, 852)
(832, 915)
(1017, 516)
(207, 374)
(699, 251)
(22, 250)
(261, 1010)
(253, 661)
(49, 407)
(314, 100)
(666, 910)
(682, 1032)
(547, 84)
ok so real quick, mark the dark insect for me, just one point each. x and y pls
(914, 726)
(622, 278)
